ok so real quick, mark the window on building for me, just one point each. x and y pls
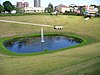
(34, 10)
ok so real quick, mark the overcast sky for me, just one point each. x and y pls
(44, 3)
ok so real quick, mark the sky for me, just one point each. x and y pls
(44, 3)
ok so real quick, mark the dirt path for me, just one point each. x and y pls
(25, 23)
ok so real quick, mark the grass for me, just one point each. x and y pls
(81, 60)
(25, 14)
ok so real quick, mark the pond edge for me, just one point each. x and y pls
(4, 50)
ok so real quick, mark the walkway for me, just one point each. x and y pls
(25, 23)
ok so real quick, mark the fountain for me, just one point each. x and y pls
(33, 44)
(36, 43)
(42, 35)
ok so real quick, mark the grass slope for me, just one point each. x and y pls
(83, 60)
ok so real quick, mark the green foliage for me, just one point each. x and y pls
(83, 10)
(50, 8)
(69, 13)
(98, 9)
(8, 6)
(1, 8)
(18, 10)
(93, 5)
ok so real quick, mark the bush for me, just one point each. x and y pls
(69, 13)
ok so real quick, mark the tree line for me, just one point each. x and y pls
(7, 6)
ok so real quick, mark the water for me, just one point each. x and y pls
(34, 44)
(42, 35)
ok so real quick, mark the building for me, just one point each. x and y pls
(33, 9)
(26, 9)
(90, 10)
(62, 8)
(37, 3)
(22, 4)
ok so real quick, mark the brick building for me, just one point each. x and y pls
(22, 4)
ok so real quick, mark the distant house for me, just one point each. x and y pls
(62, 8)
(89, 10)
(92, 10)
(73, 7)
(33, 9)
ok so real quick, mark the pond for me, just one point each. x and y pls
(33, 44)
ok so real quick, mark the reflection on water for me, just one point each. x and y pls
(33, 44)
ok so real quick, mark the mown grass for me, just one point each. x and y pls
(82, 60)
(24, 14)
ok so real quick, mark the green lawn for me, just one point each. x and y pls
(82, 60)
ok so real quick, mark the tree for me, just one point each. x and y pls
(98, 9)
(1, 8)
(8, 6)
(93, 5)
(18, 10)
(83, 10)
(50, 8)
(55, 8)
